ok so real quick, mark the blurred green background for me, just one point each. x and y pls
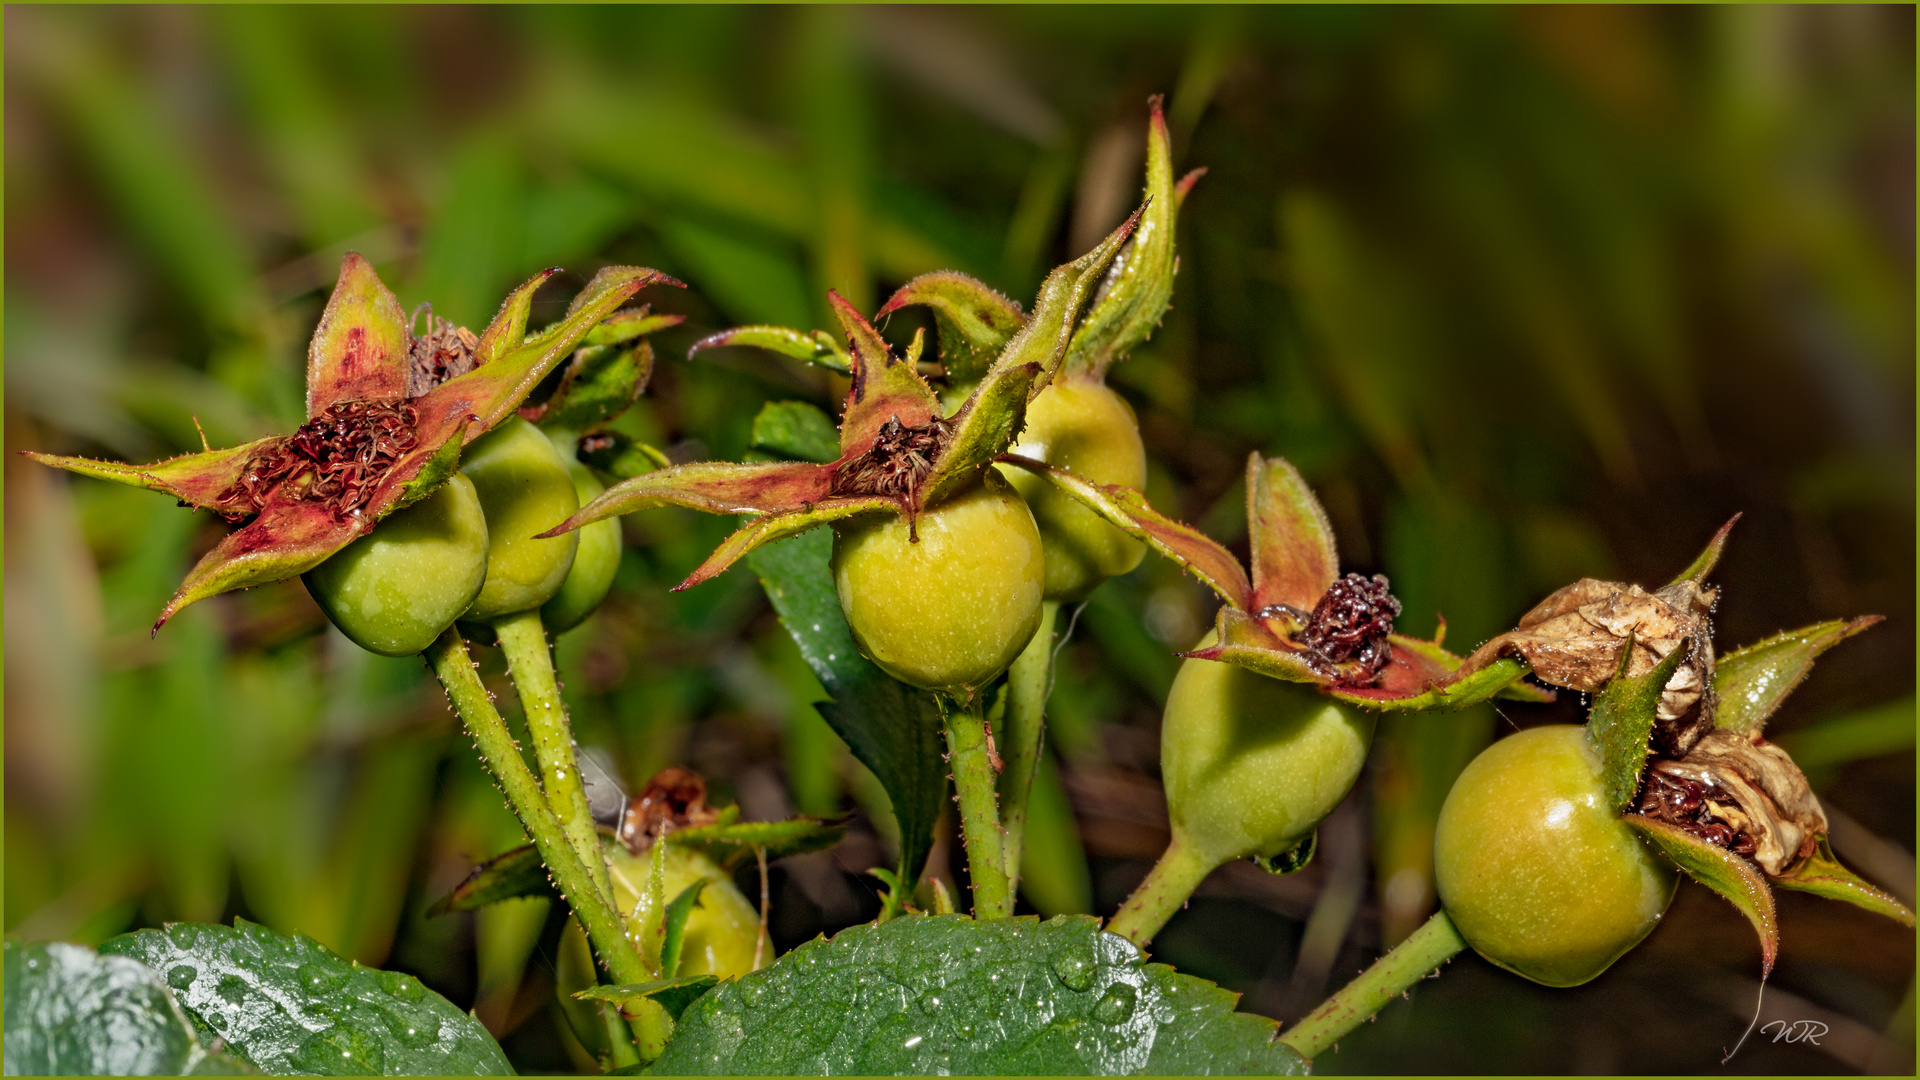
(1527, 293)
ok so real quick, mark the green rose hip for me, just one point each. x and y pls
(524, 488)
(951, 610)
(1082, 425)
(1252, 764)
(1534, 867)
(595, 562)
(396, 589)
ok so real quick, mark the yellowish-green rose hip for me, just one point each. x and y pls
(525, 490)
(723, 926)
(1082, 425)
(595, 562)
(1536, 870)
(951, 611)
(394, 590)
(1252, 764)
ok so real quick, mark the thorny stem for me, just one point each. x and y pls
(1173, 879)
(1027, 683)
(973, 783)
(1410, 961)
(454, 668)
(524, 642)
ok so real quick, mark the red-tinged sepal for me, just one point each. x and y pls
(1422, 677)
(817, 347)
(289, 538)
(716, 487)
(495, 389)
(1134, 297)
(973, 320)
(1730, 875)
(1822, 875)
(885, 387)
(1128, 509)
(766, 530)
(206, 479)
(1752, 682)
(1294, 559)
(1049, 330)
(360, 350)
(509, 326)
(1243, 640)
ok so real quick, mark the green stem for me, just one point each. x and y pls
(454, 668)
(524, 641)
(1410, 961)
(1173, 879)
(973, 782)
(1020, 746)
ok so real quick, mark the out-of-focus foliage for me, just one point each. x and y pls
(1527, 294)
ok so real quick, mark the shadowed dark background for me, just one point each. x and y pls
(1527, 293)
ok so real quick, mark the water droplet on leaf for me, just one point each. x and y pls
(1074, 968)
(1116, 1004)
(181, 976)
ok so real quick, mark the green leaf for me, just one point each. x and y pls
(599, 384)
(818, 347)
(795, 430)
(943, 994)
(974, 321)
(507, 876)
(1622, 721)
(729, 845)
(892, 728)
(674, 995)
(1823, 875)
(675, 927)
(70, 1012)
(290, 1005)
(1730, 875)
(1752, 682)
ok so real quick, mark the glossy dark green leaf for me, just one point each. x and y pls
(731, 844)
(1732, 876)
(70, 1012)
(1621, 723)
(290, 1005)
(892, 728)
(674, 995)
(943, 994)
(797, 431)
(1823, 875)
(674, 927)
(1752, 682)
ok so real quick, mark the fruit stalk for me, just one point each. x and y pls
(1027, 683)
(1410, 961)
(454, 668)
(523, 639)
(973, 782)
(1173, 879)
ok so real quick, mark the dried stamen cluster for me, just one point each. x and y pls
(338, 458)
(1743, 794)
(897, 462)
(674, 799)
(444, 352)
(1351, 622)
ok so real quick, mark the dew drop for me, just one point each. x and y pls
(930, 1003)
(181, 976)
(232, 989)
(315, 978)
(1074, 969)
(1116, 1004)
(753, 991)
(404, 987)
